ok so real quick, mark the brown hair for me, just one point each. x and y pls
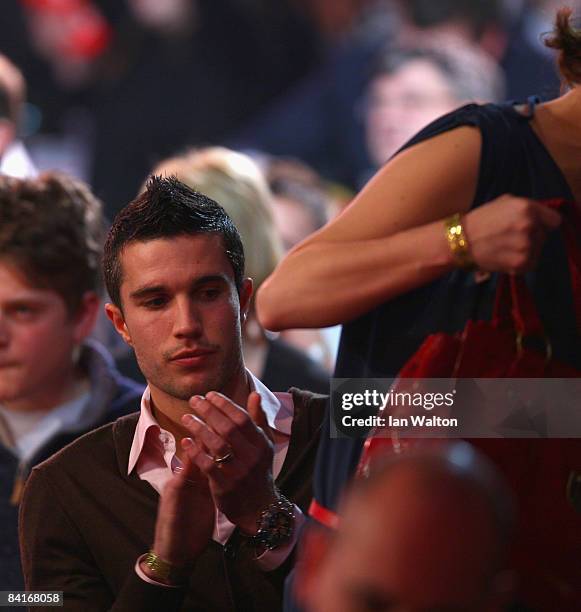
(52, 229)
(567, 40)
(168, 208)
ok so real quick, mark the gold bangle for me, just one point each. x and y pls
(458, 242)
(167, 572)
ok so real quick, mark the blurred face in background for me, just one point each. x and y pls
(38, 337)
(400, 104)
(293, 221)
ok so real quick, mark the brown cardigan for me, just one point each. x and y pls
(84, 522)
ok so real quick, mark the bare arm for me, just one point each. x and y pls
(391, 238)
(371, 252)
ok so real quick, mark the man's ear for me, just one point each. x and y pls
(245, 295)
(314, 546)
(86, 316)
(116, 317)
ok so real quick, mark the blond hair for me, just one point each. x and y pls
(13, 85)
(234, 181)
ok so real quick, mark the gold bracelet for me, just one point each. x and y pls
(167, 572)
(458, 242)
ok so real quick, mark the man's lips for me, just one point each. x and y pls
(192, 356)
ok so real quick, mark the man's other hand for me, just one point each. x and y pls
(185, 517)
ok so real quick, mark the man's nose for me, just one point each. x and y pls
(188, 320)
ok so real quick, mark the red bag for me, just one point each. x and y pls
(544, 474)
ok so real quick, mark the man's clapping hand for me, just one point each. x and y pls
(242, 485)
(185, 518)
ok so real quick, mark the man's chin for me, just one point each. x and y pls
(182, 385)
(188, 389)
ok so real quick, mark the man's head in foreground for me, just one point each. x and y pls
(51, 232)
(427, 532)
(174, 269)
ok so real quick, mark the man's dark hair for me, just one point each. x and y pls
(168, 208)
(477, 13)
(469, 73)
(390, 59)
(52, 230)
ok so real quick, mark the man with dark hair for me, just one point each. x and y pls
(411, 86)
(227, 463)
(168, 208)
(54, 384)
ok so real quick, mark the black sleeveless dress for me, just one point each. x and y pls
(377, 344)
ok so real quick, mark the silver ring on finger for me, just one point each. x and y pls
(220, 461)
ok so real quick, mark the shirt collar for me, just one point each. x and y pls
(276, 411)
(146, 421)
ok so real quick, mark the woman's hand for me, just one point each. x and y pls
(507, 234)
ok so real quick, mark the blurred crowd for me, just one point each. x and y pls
(114, 87)
(281, 112)
(319, 93)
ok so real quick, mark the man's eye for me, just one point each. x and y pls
(210, 294)
(22, 311)
(154, 303)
